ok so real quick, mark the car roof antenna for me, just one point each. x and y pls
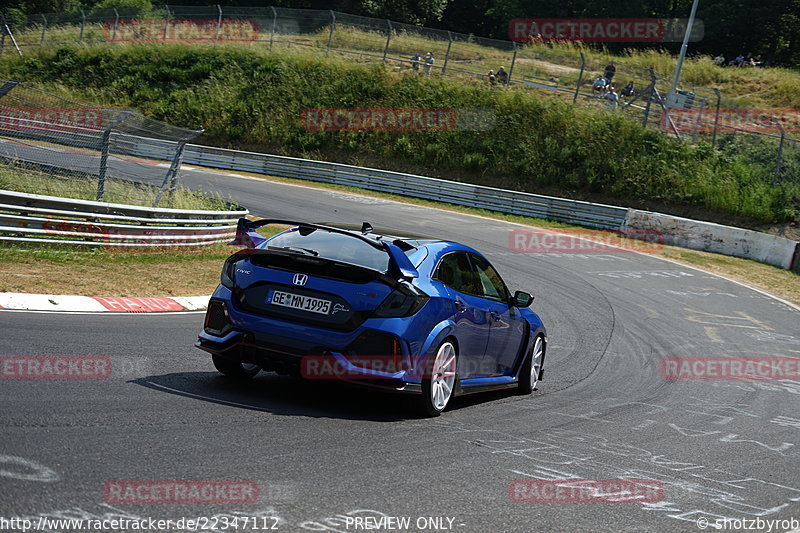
(366, 227)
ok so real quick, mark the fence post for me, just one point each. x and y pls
(274, 23)
(106, 144)
(388, 38)
(716, 120)
(83, 24)
(171, 177)
(101, 176)
(219, 21)
(779, 159)
(116, 24)
(166, 22)
(44, 30)
(333, 26)
(580, 78)
(4, 90)
(513, 62)
(11, 35)
(447, 54)
(651, 91)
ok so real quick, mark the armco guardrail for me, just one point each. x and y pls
(33, 218)
(452, 192)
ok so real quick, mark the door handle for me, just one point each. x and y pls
(495, 315)
(460, 305)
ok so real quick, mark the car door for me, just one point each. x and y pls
(507, 327)
(470, 312)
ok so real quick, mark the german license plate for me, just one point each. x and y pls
(299, 301)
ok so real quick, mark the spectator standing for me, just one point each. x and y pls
(429, 61)
(609, 72)
(502, 76)
(612, 99)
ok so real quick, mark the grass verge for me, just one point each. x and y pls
(20, 179)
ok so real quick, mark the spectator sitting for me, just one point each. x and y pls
(599, 85)
(492, 77)
(612, 99)
(628, 91)
(415, 61)
(502, 76)
(720, 60)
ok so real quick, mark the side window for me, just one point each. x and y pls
(456, 272)
(491, 284)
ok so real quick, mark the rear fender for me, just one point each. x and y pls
(440, 332)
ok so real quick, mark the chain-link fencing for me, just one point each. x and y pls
(50, 145)
(642, 93)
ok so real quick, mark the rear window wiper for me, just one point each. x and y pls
(295, 249)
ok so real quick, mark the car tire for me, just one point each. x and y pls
(235, 369)
(531, 367)
(439, 381)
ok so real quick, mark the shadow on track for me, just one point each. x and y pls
(291, 396)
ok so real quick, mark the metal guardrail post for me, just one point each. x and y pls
(116, 24)
(388, 38)
(219, 22)
(44, 30)
(513, 62)
(716, 119)
(447, 54)
(171, 177)
(83, 25)
(274, 23)
(166, 22)
(779, 160)
(580, 78)
(333, 26)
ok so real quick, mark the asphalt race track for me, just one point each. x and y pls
(323, 455)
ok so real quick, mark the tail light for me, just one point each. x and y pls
(405, 300)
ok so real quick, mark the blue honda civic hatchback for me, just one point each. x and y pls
(379, 308)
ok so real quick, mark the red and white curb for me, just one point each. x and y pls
(100, 304)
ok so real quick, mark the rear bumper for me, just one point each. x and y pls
(244, 347)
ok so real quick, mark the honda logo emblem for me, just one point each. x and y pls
(300, 279)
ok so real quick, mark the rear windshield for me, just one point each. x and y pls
(337, 247)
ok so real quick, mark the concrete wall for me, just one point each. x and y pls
(710, 237)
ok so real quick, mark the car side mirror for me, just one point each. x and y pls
(522, 299)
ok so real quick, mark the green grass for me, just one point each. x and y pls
(249, 98)
(557, 63)
(15, 178)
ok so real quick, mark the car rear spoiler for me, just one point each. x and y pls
(247, 237)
